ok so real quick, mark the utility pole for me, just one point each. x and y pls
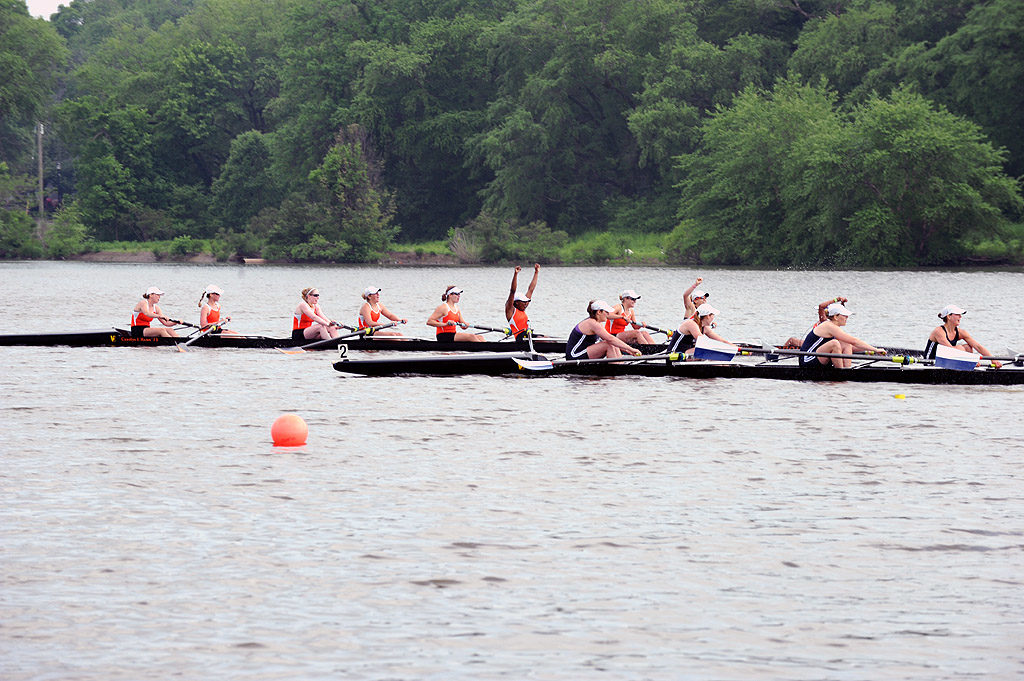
(39, 155)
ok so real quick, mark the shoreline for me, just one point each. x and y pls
(400, 258)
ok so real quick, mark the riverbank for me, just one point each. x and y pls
(400, 258)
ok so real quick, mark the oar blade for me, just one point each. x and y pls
(712, 350)
(534, 364)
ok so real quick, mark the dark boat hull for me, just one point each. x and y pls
(505, 365)
(122, 338)
(115, 337)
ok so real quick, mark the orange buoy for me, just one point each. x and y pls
(289, 430)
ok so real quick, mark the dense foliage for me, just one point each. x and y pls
(755, 132)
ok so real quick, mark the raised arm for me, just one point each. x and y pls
(687, 303)
(510, 307)
(823, 305)
(533, 282)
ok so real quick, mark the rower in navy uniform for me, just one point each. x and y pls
(951, 335)
(828, 337)
(685, 337)
(590, 339)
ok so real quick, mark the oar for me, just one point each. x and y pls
(323, 341)
(180, 323)
(181, 346)
(507, 331)
(542, 365)
(654, 328)
(899, 359)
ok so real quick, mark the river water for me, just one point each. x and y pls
(500, 528)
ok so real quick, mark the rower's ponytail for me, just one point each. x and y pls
(444, 296)
(201, 296)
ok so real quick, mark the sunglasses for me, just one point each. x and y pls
(315, 295)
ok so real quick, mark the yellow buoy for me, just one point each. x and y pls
(900, 396)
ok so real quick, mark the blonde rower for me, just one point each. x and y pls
(309, 321)
(622, 321)
(145, 311)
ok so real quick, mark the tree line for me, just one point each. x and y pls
(740, 132)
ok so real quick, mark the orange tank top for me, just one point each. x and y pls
(301, 321)
(452, 316)
(140, 318)
(374, 318)
(213, 316)
(519, 322)
(616, 326)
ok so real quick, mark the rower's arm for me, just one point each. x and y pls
(711, 333)
(841, 335)
(510, 307)
(393, 317)
(533, 282)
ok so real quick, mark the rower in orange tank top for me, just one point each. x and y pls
(309, 321)
(447, 318)
(622, 322)
(372, 310)
(516, 304)
(209, 310)
(145, 311)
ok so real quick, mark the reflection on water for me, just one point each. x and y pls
(484, 528)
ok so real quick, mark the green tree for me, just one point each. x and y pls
(31, 58)
(348, 186)
(739, 190)
(923, 182)
(245, 185)
(785, 178)
(976, 72)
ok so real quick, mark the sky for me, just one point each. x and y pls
(44, 8)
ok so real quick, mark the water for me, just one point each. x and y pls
(501, 528)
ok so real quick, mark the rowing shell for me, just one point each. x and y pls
(115, 337)
(506, 364)
(122, 338)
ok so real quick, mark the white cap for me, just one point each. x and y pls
(520, 298)
(370, 290)
(600, 305)
(698, 293)
(453, 291)
(154, 290)
(629, 293)
(213, 288)
(951, 309)
(836, 308)
(705, 309)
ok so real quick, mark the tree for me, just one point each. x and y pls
(31, 58)
(348, 187)
(976, 72)
(245, 185)
(922, 183)
(785, 178)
